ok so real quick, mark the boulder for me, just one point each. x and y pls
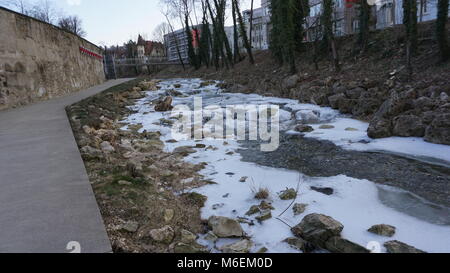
(164, 105)
(163, 235)
(408, 126)
(365, 107)
(224, 227)
(335, 100)
(130, 227)
(383, 230)
(399, 247)
(346, 106)
(90, 151)
(307, 117)
(107, 147)
(423, 104)
(318, 229)
(380, 128)
(243, 246)
(340, 245)
(290, 82)
(439, 130)
(187, 237)
(355, 93)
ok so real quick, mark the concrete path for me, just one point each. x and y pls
(46, 200)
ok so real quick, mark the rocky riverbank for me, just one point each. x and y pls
(160, 195)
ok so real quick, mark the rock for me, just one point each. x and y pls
(200, 146)
(326, 191)
(304, 128)
(163, 235)
(124, 183)
(130, 227)
(243, 179)
(262, 250)
(408, 126)
(184, 151)
(383, 230)
(326, 127)
(107, 147)
(444, 97)
(191, 248)
(428, 117)
(340, 245)
(349, 129)
(298, 243)
(218, 206)
(253, 210)
(288, 194)
(380, 128)
(355, 93)
(346, 106)
(299, 208)
(307, 117)
(168, 215)
(211, 237)
(365, 107)
(90, 151)
(264, 216)
(224, 227)
(318, 229)
(399, 247)
(423, 104)
(164, 105)
(187, 237)
(266, 206)
(243, 246)
(439, 130)
(290, 82)
(335, 100)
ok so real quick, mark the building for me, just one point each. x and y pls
(260, 26)
(146, 49)
(390, 12)
(177, 43)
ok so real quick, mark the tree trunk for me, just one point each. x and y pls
(441, 30)
(243, 32)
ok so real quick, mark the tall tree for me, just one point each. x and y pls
(410, 22)
(441, 30)
(237, 55)
(283, 36)
(243, 32)
(327, 24)
(364, 24)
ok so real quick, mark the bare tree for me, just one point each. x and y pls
(72, 24)
(160, 31)
(45, 11)
(22, 6)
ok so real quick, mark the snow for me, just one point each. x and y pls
(356, 203)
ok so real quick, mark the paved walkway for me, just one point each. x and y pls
(46, 200)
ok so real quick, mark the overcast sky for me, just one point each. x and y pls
(113, 22)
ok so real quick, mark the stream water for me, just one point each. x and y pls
(401, 182)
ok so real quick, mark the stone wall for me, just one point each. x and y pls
(39, 61)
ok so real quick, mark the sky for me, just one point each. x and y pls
(112, 22)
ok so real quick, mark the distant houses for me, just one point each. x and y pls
(384, 14)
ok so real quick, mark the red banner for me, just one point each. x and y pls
(90, 53)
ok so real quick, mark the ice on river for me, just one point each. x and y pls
(358, 204)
